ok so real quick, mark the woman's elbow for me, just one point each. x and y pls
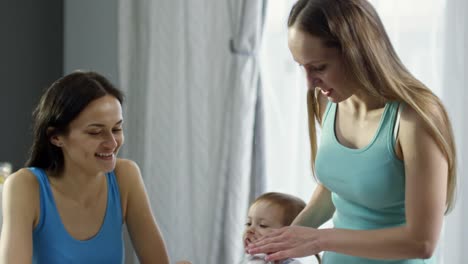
(425, 249)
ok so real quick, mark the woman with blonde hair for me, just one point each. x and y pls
(386, 161)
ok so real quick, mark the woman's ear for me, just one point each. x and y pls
(54, 138)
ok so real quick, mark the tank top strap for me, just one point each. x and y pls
(385, 130)
(47, 203)
(329, 116)
(46, 198)
(114, 198)
(389, 124)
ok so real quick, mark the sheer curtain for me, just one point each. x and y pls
(455, 96)
(284, 90)
(190, 74)
(430, 37)
(286, 132)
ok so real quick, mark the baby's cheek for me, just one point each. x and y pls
(265, 231)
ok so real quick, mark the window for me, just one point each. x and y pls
(414, 28)
(284, 90)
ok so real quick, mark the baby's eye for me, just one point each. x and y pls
(248, 224)
(264, 226)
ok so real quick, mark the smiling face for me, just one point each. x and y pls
(263, 217)
(94, 137)
(323, 65)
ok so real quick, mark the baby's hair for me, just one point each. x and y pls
(290, 204)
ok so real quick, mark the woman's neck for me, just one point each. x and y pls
(78, 186)
(361, 104)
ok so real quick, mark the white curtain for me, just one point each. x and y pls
(430, 37)
(190, 74)
(284, 91)
(286, 133)
(455, 96)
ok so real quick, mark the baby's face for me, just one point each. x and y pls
(262, 218)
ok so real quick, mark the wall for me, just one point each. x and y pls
(31, 52)
(90, 40)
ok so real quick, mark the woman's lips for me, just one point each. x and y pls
(326, 92)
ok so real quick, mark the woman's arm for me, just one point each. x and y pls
(319, 209)
(426, 171)
(144, 232)
(20, 207)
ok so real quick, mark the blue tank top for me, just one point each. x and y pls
(52, 244)
(367, 184)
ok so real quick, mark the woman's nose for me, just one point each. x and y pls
(316, 82)
(313, 83)
(110, 141)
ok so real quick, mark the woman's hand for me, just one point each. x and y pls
(287, 242)
(251, 238)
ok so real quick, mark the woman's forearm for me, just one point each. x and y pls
(319, 209)
(390, 243)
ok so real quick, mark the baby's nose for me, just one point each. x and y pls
(251, 230)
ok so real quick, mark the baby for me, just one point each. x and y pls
(270, 211)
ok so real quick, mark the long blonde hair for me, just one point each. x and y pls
(354, 27)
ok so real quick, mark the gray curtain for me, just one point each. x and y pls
(193, 118)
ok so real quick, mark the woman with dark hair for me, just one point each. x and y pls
(386, 161)
(70, 204)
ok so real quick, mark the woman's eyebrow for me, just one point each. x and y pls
(102, 125)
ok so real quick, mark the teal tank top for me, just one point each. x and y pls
(52, 244)
(367, 184)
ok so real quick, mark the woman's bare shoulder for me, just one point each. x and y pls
(127, 173)
(126, 168)
(414, 130)
(22, 180)
(21, 190)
